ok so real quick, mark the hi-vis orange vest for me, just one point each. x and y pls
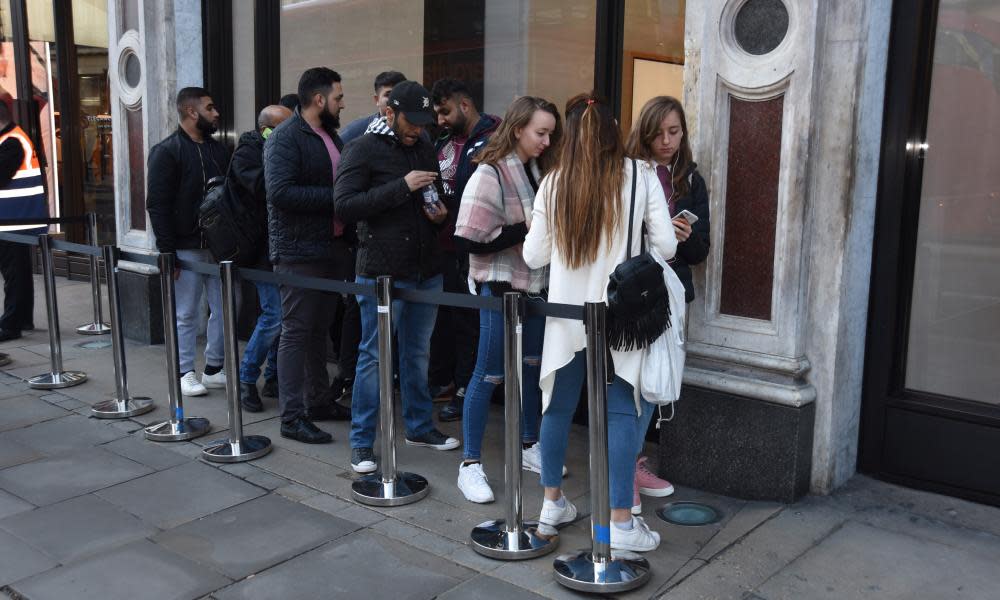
(24, 196)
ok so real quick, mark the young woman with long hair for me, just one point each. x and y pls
(660, 137)
(493, 220)
(579, 229)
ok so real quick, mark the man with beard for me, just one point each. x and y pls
(179, 168)
(381, 186)
(301, 158)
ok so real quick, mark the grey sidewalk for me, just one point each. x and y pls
(89, 509)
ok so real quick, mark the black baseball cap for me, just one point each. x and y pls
(414, 101)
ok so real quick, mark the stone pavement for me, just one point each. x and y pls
(91, 510)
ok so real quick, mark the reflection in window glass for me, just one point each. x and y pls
(653, 61)
(501, 48)
(955, 320)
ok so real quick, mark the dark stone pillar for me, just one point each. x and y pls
(142, 312)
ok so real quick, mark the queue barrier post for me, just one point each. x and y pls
(97, 326)
(387, 487)
(56, 378)
(596, 570)
(178, 427)
(238, 447)
(123, 405)
(511, 538)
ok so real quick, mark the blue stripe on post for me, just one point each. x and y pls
(24, 182)
(602, 534)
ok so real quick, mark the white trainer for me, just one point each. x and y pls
(190, 386)
(638, 539)
(554, 515)
(473, 483)
(214, 382)
(531, 459)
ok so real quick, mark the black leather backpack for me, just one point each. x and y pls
(229, 227)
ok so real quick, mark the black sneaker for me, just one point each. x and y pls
(348, 396)
(249, 398)
(303, 430)
(270, 389)
(363, 460)
(337, 387)
(453, 410)
(328, 411)
(434, 439)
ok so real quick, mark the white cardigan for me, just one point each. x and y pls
(565, 337)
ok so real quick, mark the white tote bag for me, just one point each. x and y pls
(663, 363)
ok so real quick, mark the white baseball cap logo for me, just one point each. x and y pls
(427, 101)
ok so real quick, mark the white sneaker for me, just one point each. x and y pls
(554, 515)
(215, 382)
(531, 459)
(638, 539)
(190, 386)
(473, 483)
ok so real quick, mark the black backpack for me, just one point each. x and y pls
(638, 300)
(229, 226)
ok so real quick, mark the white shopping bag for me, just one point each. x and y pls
(663, 363)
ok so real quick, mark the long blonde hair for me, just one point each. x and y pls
(640, 140)
(586, 207)
(519, 114)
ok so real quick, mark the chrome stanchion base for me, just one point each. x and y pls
(94, 329)
(406, 488)
(178, 430)
(4, 359)
(247, 448)
(54, 381)
(122, 409)
(493, 540)
(626, 571)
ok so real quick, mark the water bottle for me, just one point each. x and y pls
(430, 195)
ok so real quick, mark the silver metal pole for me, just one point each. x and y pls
(123, 405)
(387, 487)
(511, 538)
(56, 378)
(98, 326)
(596, 570)
(178, 427)
(238, 448)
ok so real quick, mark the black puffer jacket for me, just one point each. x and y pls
(178, 170)
(246, 176)
(694, 250)
(298, 176)
(395, 237)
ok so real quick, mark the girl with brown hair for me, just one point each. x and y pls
(493, 220)
(579, 229)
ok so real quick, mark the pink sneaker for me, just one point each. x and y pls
(648, 483)
(636, 499)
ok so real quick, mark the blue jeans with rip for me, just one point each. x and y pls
(489, 372)
(261, 346)
(413, 324)
(623, 425)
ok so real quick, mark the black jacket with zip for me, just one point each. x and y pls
(395, 237)
(298, 177)
(694, 250)
(178, 170)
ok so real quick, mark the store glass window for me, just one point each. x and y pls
(653, 60)
(500, 48)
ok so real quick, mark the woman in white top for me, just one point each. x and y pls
(579, 229)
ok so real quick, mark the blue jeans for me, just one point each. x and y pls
(489, 372)
(413, 324)
(187, 291)
(623, 423)
(261, 346)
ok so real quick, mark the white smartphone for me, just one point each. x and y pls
(688, 216)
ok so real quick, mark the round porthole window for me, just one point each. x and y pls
(760, 26)
(133, 71)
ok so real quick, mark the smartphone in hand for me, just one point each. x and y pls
(688, 216)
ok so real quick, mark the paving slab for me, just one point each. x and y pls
(66, 434)
(180, 494)
(22, 411)
(851, 564)
(484, 587)
(14, 453)
(12, 505)
(19, 560)
(253, 536)
(59, 478)
(76, 528)
(139, 570)
(363, 564)
(345, 509)
(142, 451)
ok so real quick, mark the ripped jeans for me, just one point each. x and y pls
(489, 373)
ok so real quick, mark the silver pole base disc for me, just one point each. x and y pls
(492, 540)
(247, 448)
(178, 430)
(94, 329)
(406, 488)
(122, 409)
(4, 359)
(54, 381)
(626, 571)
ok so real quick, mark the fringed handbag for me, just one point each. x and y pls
(638, 300)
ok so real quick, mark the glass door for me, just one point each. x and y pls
(932, 397)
